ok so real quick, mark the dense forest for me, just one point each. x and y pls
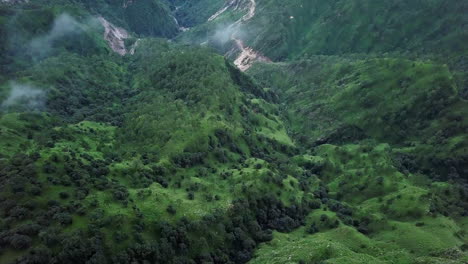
(234, 131)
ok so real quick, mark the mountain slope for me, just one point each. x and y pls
(385, 160)
(161, 157)
(318, 27)
(191, 13)
(35, 30)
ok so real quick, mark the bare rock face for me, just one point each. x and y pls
(226, 6)
(134, 46)
(247, 56)
(233, 5)
(115, 36)
(127, 3)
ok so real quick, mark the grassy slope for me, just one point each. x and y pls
(404, 229)
(349, 99)
(343, 109)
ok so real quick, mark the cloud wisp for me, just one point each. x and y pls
(24, 97)
(64, 25)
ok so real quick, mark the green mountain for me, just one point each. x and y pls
(361, 26)
(238, 131)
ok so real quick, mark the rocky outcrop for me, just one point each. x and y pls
(134, 46)
(232, 5)
(251, 13)
(247, 56)
(115, 36)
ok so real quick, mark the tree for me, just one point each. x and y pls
(171, 210)
(20, 241)
(63, 218)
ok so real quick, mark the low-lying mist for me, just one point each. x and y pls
(64, 25)
(224, 34)
(24, 97)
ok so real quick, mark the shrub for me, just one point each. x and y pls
(312, 229)
(191, 195)
(64, 195)
(63, 218)
(324, 218)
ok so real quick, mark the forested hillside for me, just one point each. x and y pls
(361, 26)
(238, 131)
